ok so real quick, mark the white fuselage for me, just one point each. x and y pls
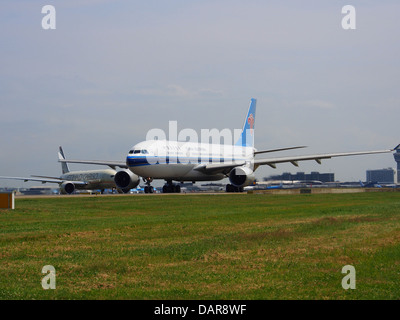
(96, 179)
(172, 160)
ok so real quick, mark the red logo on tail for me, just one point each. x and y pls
(250, 121)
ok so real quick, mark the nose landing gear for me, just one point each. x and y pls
(148, 188)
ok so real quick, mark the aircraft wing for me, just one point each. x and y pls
(111, 164)
(214, 168)
(43, 180)
(280, 149)
(317, 157)
(225, 168)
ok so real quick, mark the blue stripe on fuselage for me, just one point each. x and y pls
(136, 161)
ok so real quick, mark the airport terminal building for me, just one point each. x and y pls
(381, 175)
(301, 176)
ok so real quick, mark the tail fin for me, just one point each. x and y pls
(64, 165)
(246, 138)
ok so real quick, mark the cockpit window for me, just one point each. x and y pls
(137, 151)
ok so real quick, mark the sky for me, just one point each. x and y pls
(113, 70)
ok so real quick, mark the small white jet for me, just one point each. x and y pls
(69, 181)
(193, 161)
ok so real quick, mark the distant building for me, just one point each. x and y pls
(381, 175)
(301, 176)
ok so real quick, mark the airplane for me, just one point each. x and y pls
(138, 189)
(193, 161)
(69, 181)
(370, 184)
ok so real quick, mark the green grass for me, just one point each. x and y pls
(252, 246)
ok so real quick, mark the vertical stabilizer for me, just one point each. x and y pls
(64, 165)
(246, 138)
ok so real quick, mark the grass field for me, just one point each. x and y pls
(239, 246)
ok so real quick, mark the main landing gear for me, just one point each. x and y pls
(232, 188)
(169, 187)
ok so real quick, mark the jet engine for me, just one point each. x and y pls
(241, 176)
(67, 187)
(126, 180)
